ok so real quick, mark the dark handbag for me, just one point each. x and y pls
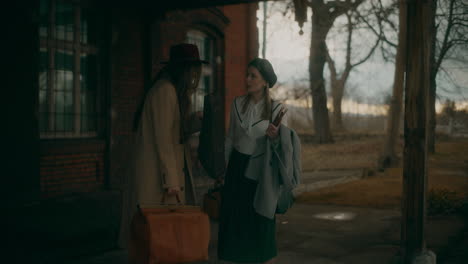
(211, 139)
(212, 202)
(285, 200)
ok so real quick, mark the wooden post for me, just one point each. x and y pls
(415, 149)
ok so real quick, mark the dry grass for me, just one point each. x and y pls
(345, 153)
(447, 169)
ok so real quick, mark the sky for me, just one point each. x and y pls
(370, 83)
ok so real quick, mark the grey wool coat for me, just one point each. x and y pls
(274, 165)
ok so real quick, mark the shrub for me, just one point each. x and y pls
(444, 201)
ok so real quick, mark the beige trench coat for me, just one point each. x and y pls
(159, 156)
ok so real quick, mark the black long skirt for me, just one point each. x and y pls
(244, 235)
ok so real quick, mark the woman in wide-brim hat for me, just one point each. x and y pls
(161, 154)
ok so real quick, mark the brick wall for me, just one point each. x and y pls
(126, 92)
(172, 30)
(66, 166)
(67, 174)
(87, 165)
(235, 29)
(241, 47)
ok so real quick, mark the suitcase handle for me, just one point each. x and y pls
(163, 202)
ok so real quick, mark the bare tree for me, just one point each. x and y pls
(449, 32)
(323, 17)
(268, 9)
(383, 27)
(301, 93)
(389, 157)
(338, 79)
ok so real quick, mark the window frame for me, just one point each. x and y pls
(207, 70)
(53, 45)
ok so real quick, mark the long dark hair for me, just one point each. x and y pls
(180, 75)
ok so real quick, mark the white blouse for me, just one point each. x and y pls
(246, 128)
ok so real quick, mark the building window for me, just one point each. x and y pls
(205, 47)
(68, 72)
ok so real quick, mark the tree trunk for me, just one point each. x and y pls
(389, 157)
(431, 118)
(317, 59)
(337, 96)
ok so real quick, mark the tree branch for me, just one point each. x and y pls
(330, 63)
(348, 43)
(380, 34)
(368, 55)
(460, 24)
(337, 8)
(445, 47)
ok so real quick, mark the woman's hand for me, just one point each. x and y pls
(272, 131)
(219, 181)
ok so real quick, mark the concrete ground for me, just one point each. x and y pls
(313, 180)
(324, 234)
(329, 234)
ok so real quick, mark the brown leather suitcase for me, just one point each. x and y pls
(169, 234)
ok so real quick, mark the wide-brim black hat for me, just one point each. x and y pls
(184, 52)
